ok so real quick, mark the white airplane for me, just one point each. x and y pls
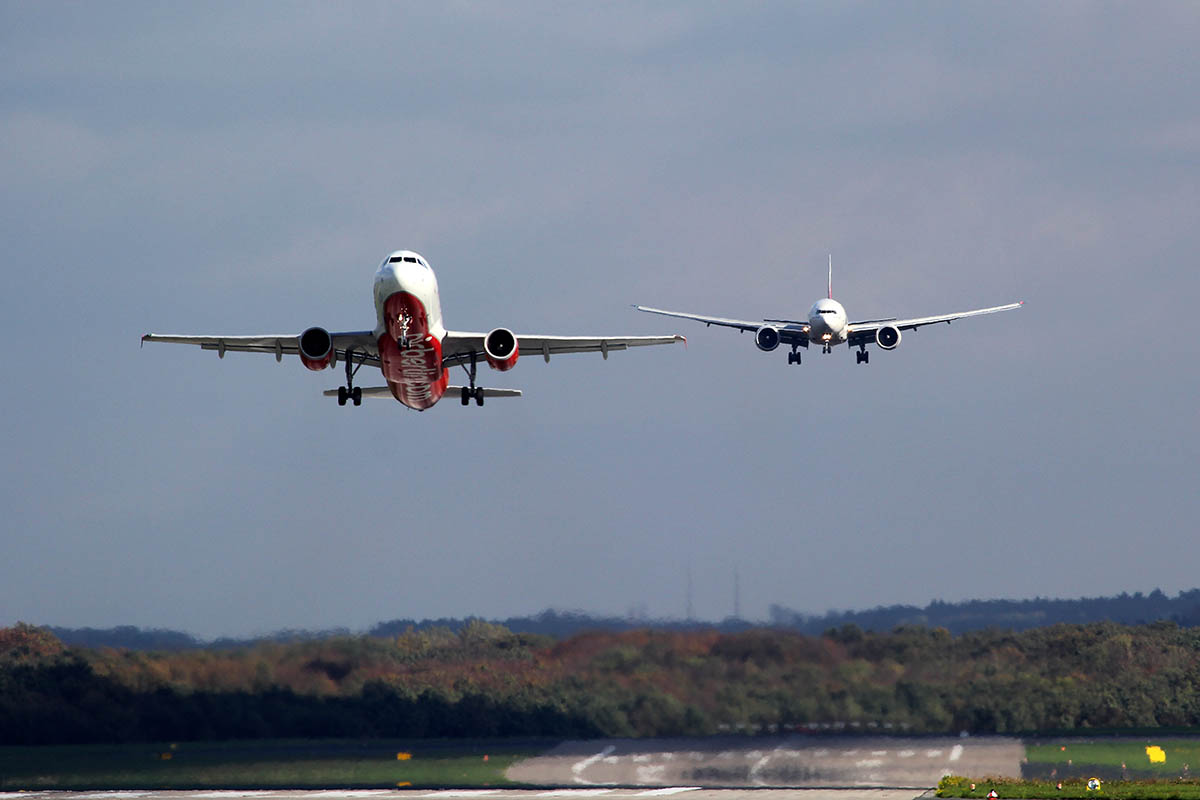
(827, 326)
(410, 345)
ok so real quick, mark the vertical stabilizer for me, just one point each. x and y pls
(831, 276)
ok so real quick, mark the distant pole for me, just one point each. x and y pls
(737, 594)
(690, 614)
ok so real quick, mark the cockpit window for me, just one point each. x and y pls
(827, 310)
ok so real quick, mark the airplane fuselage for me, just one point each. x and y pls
(827, 322)
(409, 330)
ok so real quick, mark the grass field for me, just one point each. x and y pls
(263, 765)
(1112, 759)
(1071, 790)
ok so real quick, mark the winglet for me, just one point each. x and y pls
(831, 276)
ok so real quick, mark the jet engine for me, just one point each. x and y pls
(316, 349)
(887, 337)
(767, 338)
(500, 348)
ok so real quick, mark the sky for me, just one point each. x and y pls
(224, 168)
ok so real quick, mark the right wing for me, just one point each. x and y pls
(790, 331)
(363, 343)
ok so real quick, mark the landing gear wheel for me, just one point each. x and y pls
(341, 395)
(862, 357)
(466, 396)
(479, 396)
(356, 395)
(793, 358)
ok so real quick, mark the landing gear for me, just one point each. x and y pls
(794, 357)
(862, 356)
(827, 349)
(472, 390)
(350, 391)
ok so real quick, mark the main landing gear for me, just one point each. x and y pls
(472, 390)
(862, 356)
(350, 391)
(794, 356)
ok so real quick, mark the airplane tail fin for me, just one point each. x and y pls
(831, 276)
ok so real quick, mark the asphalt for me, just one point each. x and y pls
(762, 762)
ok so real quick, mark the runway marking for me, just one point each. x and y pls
(907, 753)
(869, 763)
(580, 766)
(574, 793)
(667, 791)
(454, 793)
(651, 774)
(956, 752)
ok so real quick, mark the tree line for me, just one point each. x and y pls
(958, 617)
(485, 680)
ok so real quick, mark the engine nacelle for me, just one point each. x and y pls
(887, 337)
(500, 349)
(316, 349)
(767, 338)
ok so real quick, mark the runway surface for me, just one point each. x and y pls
(784, 761)
(688, 792)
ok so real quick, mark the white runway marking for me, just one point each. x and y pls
(956, 752)
(578, 767)
(574, 793)
(456, 793)
(667, 791)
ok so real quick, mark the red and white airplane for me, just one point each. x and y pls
(409, 344)
(827, 325)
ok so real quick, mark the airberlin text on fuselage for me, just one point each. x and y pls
(414, 373)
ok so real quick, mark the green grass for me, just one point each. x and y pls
(1112, 758)
(1071, 790)
(299, 764)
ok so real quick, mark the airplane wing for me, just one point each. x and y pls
(366, 349)
(790, 331)
(457, 346)
(864, 332)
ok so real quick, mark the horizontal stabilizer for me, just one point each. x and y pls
(383, 391)
(486, 392)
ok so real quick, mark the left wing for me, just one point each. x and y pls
(363, 343)
(864, 332)
(458, 346)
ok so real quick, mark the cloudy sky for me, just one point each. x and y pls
(209, 168)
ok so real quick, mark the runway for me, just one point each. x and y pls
(765, 762)
(688, 792)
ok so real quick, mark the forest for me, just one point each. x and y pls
(484, 680)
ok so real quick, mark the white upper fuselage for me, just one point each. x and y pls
(827, 322)
(408, 272)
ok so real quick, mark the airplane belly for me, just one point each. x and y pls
(414, 372)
